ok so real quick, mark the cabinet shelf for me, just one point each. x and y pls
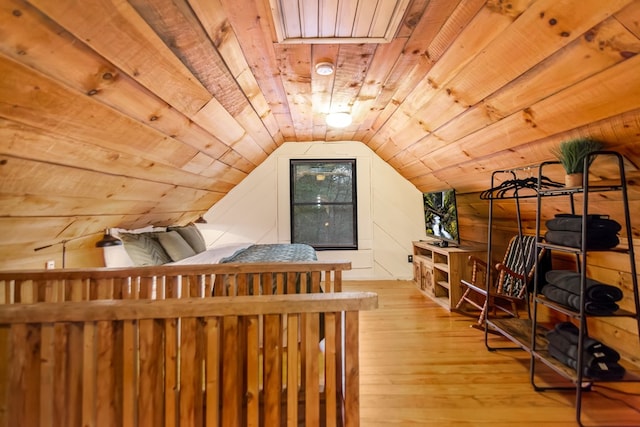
(441, 266)
(444, 284)
(438, 271)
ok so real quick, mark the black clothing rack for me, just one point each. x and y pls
(510, 184)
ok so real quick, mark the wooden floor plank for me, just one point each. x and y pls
(423, 366)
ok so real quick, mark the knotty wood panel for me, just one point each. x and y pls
(192, 95)
(41, 145)
(79, 67)
(255, 41)
(411, 66)
(139, 52)
(294, 62)
(215, 23)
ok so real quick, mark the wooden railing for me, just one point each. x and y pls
(152, 346)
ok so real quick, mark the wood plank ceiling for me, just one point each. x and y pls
(125, 113)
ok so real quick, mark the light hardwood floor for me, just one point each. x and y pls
(423, 366)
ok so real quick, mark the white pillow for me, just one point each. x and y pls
(116, 256)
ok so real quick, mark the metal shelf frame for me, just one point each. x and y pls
(537, 350)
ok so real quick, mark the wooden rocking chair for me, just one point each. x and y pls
(508, 292)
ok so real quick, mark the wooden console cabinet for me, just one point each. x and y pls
(437, 271)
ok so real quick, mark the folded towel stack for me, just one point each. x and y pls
(599, 361)
(564, 287)
(566, 230)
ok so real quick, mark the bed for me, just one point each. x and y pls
(185, 245)
(179, 246)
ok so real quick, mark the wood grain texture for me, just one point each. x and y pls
(421, 365)
(157, 68)
(124, 114)
(197, 94)
(138, 369)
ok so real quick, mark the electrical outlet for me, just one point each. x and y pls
(409, 258)
(50, 265)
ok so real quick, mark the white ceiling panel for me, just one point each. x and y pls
(337, 21)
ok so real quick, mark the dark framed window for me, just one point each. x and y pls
(323, 203)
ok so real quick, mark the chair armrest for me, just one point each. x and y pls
(501, 267)
(477, 261)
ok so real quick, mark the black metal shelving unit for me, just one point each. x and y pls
(537, 345)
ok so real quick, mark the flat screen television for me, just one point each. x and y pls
(441, 217)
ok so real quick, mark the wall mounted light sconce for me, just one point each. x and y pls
(108, 240)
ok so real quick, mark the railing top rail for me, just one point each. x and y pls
(49, 312)
(174, 270)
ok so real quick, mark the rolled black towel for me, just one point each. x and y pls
(600, 308)
(571, 300)
(570, 332)
(558, 354)
(602, 369)
(595, 291)
(593, 349)
(605, 370)
(561, 296)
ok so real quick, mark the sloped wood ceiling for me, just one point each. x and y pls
(119, 113)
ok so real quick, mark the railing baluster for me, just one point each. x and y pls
(147, 346)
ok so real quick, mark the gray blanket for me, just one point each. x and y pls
(277, 252)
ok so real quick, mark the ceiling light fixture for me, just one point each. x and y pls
(324, 68)
(339, 120)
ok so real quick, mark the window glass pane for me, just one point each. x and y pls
(333, 225)
(325, 182)
(323, 203)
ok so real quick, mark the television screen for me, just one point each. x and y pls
(441, 216)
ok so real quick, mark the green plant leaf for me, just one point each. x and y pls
(572, 153)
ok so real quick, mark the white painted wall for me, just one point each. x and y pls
(389, 210)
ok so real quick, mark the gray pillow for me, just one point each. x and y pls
(192, 236)
(144, 249)
(175, 246)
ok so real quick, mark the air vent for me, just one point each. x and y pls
(337, 21)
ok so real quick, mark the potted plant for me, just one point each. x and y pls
(572, 153)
